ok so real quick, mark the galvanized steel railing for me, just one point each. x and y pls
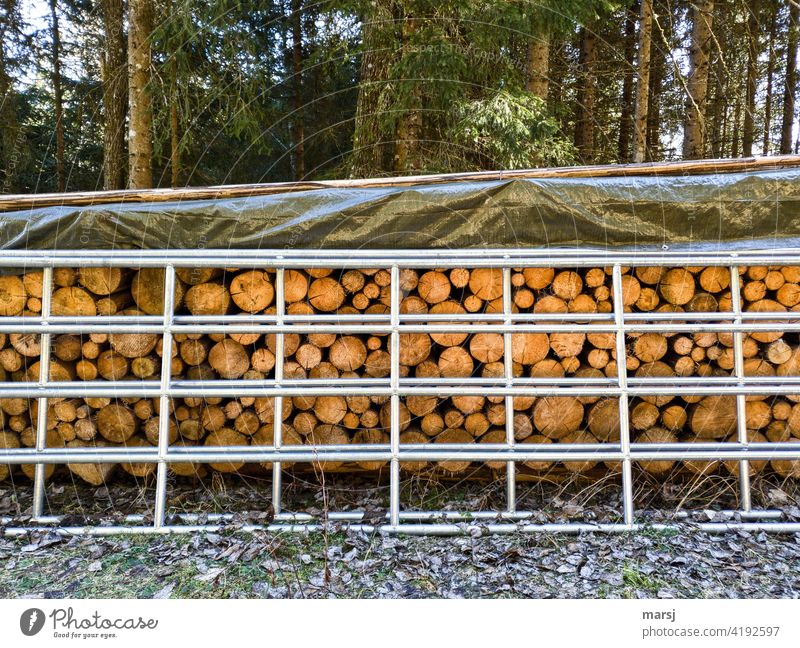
(394, 324)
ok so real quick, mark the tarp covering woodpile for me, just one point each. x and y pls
(758, 208)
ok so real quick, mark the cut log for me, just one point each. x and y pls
(147, 290)
(567, 345)
(455, 362)
(133, 345)
(434, 287)
(326, 294)
(714, 279)
(677, 286)
(538, 278)
(459, 277)
(414, 349)
(650, 275)
(659, 467)
(95, 474)
(766, 306)
(650, 347)
(12, 296)
(252, 291)
(487, 283)
(102, 281)
(555, 417)
(413, 437)
(229, 359)
(116, 423)
(330, 409)
(225, 437)
(714, 417)
(604, 420)
(295, 286)
(529, 348)
(73, 301)
(579, 437)
(208, 299)
(486, 347)
(538, 466)
(454, 435)
(194, 276)
(323, 435)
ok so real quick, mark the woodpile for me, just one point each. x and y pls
(362, 419)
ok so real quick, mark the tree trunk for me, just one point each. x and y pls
(140, 126)
(175, 151)
(789, 90)
(115, 94)
(653, 146)
(737, 114)
(408, 134)
(584, 111)
(643, 84)
(716, 114)
(297, 64)
(752, 73)
(9, 133)
(625, 120)
(377, 55)
(694, 130)
(770, 71)
(539, 65)
(58, 97)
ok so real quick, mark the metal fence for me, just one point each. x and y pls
(395, 387)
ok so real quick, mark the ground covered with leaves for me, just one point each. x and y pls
(683, 563)
(337, 562)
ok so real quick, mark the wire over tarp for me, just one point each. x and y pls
(754, 209)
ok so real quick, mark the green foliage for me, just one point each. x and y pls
(509, 130)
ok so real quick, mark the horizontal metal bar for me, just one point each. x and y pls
(269, 389)
(470, 258)
(680, 325)
(405, 516)
(441, 529)
(432, 453)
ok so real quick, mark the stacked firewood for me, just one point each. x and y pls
(363, 419)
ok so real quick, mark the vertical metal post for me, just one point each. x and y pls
(160, 507)
(622, 379)
(277, 435)
(394, 432)
(741, 399)
(511, 467)
(40, 474)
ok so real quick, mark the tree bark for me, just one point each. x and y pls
(297, 64)
(694, 130)
(653, 145)
(140, 126)
(752, 73)
(584, 111)
(643, 84)
(537, 82)
(175, 150)
(408, 134)
(737, 115)
(790, 90)
(9, 133)
(115, 94)
(626, 114)
(58, 97)
(716, 117)
(376, 58)
(770, 72)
